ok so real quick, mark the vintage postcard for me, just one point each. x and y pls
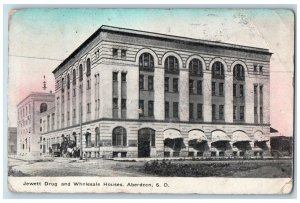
(174, 101)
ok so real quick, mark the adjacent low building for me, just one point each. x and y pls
(143, 94)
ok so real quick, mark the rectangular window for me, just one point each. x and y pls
(166, 109)
(166, 84)
(234, 90)
(241, 90)
(261, 114)
(255, 89)
(62, 117)
(88, 107)
(191, 110)
(213, 113)
(74, 92)
(123, 53)
(150, 82)
(221, 89)
(241, 113)
(141, 82)
(74, 113)
(255, 68)
(199, 87)
(261, 70)
(115, 103)
(123, 103)
(175, 109)
(114, 52)
(175, 84)
(234, 112)
(199, 111)
(68, 115)
(115, 76)
(141, 107)
(221, 112)
(150, 108)
(213, 88)
(63, 98)
(123, 77)
(261, 95)
(191, 86)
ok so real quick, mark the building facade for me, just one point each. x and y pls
(12, 141)
(142, 94)
(29, 122)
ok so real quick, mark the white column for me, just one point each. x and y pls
(228, 109)
(266, 101)
(249, 100)
(184, 95)
(207, 96)
(159, 93)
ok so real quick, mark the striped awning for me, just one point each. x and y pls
(197, 135)
(172, 134)
(218, 136)
(240, 136)
(260, 137)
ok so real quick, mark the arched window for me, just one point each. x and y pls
(74, 76)
(119, 136)
(80, 72)
(97, 138)
(195, 67)
(218, 70)
(172, 65)
(88, 67)
(68, 81)
(88, 139)
(146, 62)
(238, 72)
(43, 107)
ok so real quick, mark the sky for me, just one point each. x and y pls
(39, 39)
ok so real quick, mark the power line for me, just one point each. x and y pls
(33, 57)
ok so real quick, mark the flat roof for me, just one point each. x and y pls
(35, 93)
(158, 36)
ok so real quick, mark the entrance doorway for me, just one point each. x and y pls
(146, 139)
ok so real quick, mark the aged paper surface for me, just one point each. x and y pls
(151, 101)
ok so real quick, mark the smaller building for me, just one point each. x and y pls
(12, 140)
(280, 145)
(29, 121)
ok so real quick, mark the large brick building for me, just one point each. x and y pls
(29, 125)
(153, 95)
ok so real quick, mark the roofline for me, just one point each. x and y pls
(31, 94)
(159, 35)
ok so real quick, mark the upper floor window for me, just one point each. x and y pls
(123, 77)
(238, 72)
(172, 65)
(115, 52)
(88, 67)
(146, 62)
(195, 67)
(218, 70)
(260, 69)
(123, 53)
(74, 77)
(62, 87)
(68, 81)
(119, 137)
(115, 76)
(80, 73)
(43, 107)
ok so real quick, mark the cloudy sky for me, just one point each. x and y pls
(39, 39)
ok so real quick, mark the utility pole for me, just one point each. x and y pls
(80, 120)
